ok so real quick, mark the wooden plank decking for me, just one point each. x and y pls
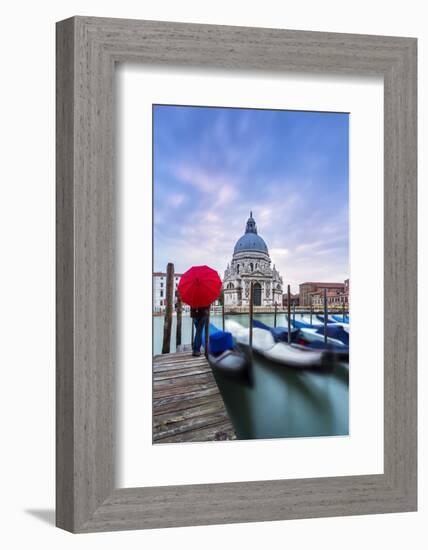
(187, 404)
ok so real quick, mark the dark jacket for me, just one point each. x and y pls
(199, 312)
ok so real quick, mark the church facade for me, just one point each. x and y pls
(251, 263)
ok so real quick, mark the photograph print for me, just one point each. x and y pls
(251, 282)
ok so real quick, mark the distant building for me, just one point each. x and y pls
(251, 263)
(313, 293)
(294, 300)
(159, 290)
(334, 299)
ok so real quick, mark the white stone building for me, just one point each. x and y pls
(159, 290)
(251, 263)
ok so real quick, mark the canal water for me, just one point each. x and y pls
(281, 402)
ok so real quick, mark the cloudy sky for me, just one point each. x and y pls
(213, 165)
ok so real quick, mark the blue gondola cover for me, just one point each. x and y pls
(220, 341)
(280, 334)
(259, 324)
(337, 332)
(302, 324)
(341, 318)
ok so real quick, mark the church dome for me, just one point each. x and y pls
(250, 241)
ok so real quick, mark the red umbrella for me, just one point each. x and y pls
(199, 286)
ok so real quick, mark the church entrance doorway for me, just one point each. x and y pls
(257, 294)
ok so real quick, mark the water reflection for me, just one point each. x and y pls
(281, 402)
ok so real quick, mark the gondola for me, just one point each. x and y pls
(329, 320)
(308, 336)
(334, 322)
(337, 340)
(309, 319)
(337, 335)
(280, 334)
(298, 323)
(281, 352)
(224, 355)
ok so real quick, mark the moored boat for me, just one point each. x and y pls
(312, 336)
(298, 323)
(264, 343)
(329, 319)
(280, 334)
(333, 322)
(337, 335)
(310, 320)
(223, 354)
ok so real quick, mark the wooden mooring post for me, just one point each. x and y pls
(250, 320)
(207, 334)
(325, 316)
(294, 311)
(179, 310)
(169, 298)
(274, 317)
(311, 308)
(289, 313)
(222, 313)
(343, 311)
(193, 331)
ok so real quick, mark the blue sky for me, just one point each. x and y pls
(213, 165)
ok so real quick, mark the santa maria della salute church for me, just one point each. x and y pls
(251, 263)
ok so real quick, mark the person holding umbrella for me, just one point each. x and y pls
(200, 317)
(199, 286)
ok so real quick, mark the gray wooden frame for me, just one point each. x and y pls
(87, 50)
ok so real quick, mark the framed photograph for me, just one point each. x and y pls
(230, 201)
(210, 165)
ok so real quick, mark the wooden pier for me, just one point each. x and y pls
(187, 404)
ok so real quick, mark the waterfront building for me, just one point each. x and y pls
(251, 263)
(294, 300)
(347, 288)
(159, 290)
(334, 299)
(313, 292)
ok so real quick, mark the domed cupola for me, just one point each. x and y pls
(250, 241)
